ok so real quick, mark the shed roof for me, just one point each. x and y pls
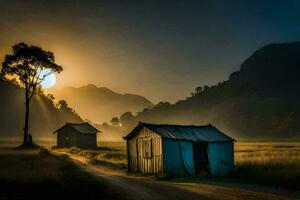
(206, 133)
(80, 127)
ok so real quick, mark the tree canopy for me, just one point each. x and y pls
(30, 65)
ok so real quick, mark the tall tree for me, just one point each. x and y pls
(30, 65)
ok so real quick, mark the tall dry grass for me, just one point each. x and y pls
(276, 164)
(111, 157)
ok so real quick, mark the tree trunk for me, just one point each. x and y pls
(26, 126)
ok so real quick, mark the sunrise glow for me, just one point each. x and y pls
(49, 80)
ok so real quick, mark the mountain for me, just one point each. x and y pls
(260, 101)
(44, 116)
(100, 104)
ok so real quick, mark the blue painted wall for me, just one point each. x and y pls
(221, 158)
(178, 157)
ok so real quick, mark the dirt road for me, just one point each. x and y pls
(128, 187)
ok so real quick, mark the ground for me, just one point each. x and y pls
(274, 164)
(37, 174)
(101, 174)
(137, 187)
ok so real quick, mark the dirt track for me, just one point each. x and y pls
(128, 187)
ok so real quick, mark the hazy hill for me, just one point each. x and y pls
(100, 104)
(261, 100)
(44, 116)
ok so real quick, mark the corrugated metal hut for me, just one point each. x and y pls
(81, 135)
(179, 150)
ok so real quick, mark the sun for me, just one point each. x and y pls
(49, 81)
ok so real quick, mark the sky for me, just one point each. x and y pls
(162, 50)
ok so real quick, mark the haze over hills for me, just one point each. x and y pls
(44, 116)
(100, 104)
(260, 101)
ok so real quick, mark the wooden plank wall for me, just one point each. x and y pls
(66, 132)
(139, 163)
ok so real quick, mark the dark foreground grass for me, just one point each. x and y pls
(37, 174)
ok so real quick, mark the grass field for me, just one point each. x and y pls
(37, 174)
(114, 157)
(275, 164)
(268, 163)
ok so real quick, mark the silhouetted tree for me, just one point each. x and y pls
(126, 118)
(115, 121)
(205, 87)
(62, 104)
(51, 98)
(198, 90)
(162, 104)
(105, 125)
(30, 65)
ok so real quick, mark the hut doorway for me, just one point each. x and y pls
(201, 157)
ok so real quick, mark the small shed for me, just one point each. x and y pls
(81, 135)
(179, 150)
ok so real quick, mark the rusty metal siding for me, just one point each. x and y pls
(136, 157)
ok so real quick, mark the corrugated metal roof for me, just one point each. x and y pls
(207, 133)
(81, 127)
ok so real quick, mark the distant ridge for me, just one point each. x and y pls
(100, 104)
(260, 101)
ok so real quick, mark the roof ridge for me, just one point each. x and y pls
(204, 133)
(69, 123)
(182, 125)
(79, 125)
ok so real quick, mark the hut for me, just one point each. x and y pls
(179, 150)
(81, 135)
